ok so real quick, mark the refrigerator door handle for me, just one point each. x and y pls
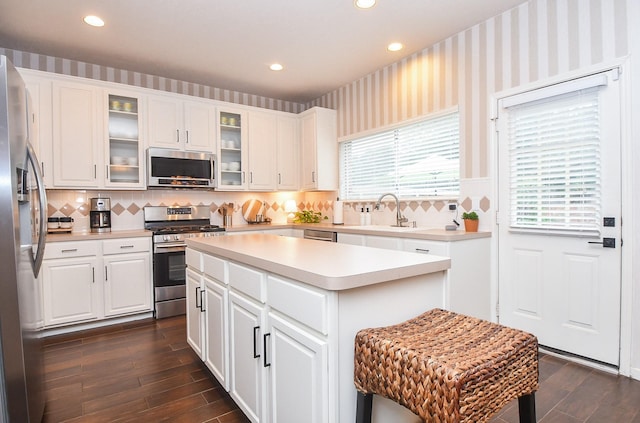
(42, 196)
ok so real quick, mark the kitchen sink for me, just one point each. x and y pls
(386, 228)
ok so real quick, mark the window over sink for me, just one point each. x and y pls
(416, 159)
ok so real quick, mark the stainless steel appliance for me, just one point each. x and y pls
(100, 215)
(320, 235)
(171, 226)
(180, 169)
(23, 229)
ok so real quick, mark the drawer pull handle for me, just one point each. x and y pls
(70, 250)
(422, 250)
(264, 349)
(198, 296)
(126, 246)
(202, 309)
(255, 352)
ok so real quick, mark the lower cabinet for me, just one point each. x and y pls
(70, 292)
(298, 373)
(85, 281)
(272, 359)
(195, 311)
(246, 350)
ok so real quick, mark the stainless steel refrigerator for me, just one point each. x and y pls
(22, 240)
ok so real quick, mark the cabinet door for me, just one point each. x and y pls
(247, 384)
(123, 150)
(76, 135)
(309, 171)
(299, 378)
(164, 118)
(262, 151)
(127, 283)
(40, 128)
(216, 351)
(70, 292)
(195, 314)
(232, 156)
(199, 127)
(287, 151)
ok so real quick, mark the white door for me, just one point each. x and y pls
(559, 200)
(126, 283)
(217, 354)
(194, 312)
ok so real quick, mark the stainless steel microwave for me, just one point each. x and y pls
(180, 169)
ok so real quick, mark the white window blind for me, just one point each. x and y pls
(554, 150)
(416, 160)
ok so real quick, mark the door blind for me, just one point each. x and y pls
(554, 150)
(415, 160)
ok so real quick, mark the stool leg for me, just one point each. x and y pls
(363, 408)
(527, 408)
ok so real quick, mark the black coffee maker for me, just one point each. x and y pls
(100, 215)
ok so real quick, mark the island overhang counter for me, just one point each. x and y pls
(274, 318)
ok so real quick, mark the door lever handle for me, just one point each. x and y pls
(606, 242)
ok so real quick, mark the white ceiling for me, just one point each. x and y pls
(323, 44)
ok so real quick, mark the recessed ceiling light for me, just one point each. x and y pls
(276, 67)
(364, 4)
(395, 47)
(93, 20)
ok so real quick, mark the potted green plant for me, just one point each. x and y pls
(308, 216)
(470, 221)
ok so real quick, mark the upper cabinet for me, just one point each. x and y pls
(180, 124)
(263, 127)
(124, 149)
(288, 153)
(319, 150)
(232, 155)
(77, 129)
(39, 106)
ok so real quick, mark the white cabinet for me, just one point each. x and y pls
(77, 126)
(93, 280)
(288, 153)
(123, 146)
(216, 355)
(353, 239)
(246, 340)
(319, 150)
(263, 129)
(173, 122)
(232, 155)
(127, 272)
(195, 316)
(467, 283)
(40, 129)
(70, 282)
(298, 376)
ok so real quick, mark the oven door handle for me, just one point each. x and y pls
(169, 248)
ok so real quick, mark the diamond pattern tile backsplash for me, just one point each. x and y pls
(127, 206)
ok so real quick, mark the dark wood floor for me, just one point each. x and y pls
(146, 372)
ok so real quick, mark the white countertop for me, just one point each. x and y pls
(89, 236)
(327, 265)
(433, 234)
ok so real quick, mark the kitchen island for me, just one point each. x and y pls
(274, 319)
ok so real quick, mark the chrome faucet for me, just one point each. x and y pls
(400, 219)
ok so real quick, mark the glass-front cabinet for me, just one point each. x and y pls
(124, 152)
(232, 162)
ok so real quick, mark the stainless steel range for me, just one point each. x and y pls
(171, 226)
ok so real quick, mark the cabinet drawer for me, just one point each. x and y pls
(248, 281)
(193, 259)
(300, 302)
(214, 267)
(71, 249)
(126, 245)
(427, 247)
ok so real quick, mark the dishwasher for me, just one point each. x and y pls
(320, 235)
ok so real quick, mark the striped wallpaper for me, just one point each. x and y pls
(109, 74)
(532, 42)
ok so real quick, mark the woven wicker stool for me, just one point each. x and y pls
(447, 367)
